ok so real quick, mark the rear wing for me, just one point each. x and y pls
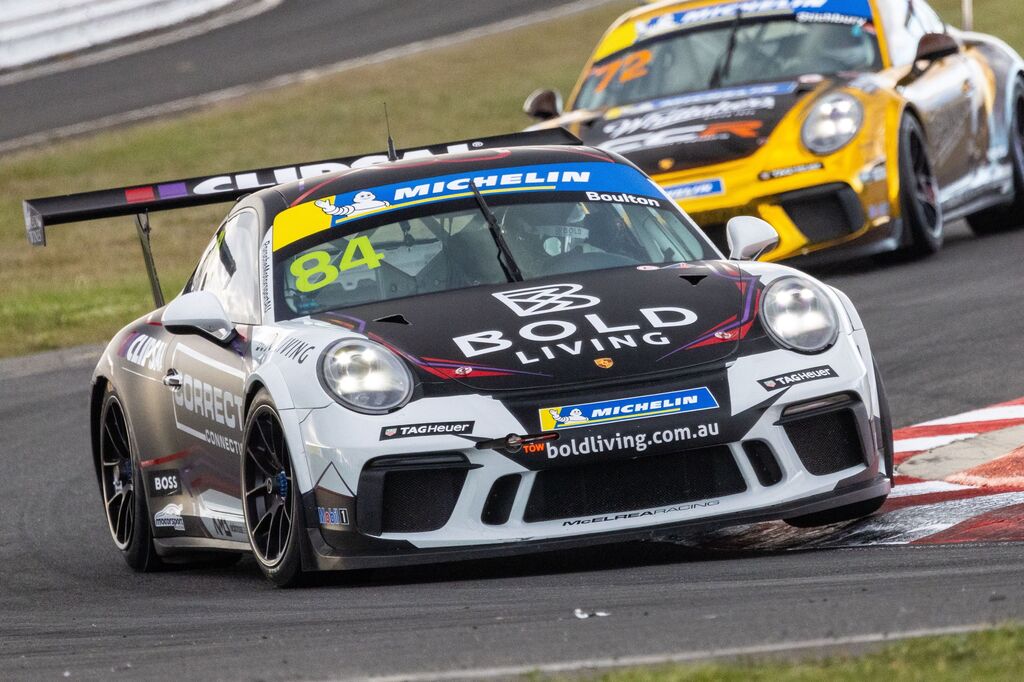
(224, 187)
(139, 200)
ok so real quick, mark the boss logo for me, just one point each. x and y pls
(163, 483)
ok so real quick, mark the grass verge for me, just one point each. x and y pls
(90, 280)
(991, 655)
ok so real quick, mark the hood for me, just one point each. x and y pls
(690, 130)
(606, 325)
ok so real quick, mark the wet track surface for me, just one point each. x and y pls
(947, 334)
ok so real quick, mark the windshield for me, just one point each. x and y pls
(698, 59)
(449, 244)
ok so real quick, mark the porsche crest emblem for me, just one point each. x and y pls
(604, 363)
(666, 163)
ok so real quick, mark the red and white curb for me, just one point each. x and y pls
(983, 503)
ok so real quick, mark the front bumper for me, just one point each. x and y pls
(457, 502)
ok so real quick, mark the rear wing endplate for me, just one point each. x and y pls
(223, 187)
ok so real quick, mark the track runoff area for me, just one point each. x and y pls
(959, 479)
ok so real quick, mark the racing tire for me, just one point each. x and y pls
(121, 483)
(273, 518)
(1008, 216)
(858, 510)
(919, 194)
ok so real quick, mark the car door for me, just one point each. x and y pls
(945, 94)
(206, 395)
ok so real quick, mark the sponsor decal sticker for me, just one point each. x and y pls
(429, 429)
(295, 349)
(144, 351)
(633, 442)
(708, 96)
(622, 199)
(332, 516)
(777, 173)
(709, 132)
(164, 483)
(542, 300)
(696, 190)
(783, 380)
(169, 517)
(313, 217)
(810, 9)
(626, 409)
(640, 514)
(667, 118)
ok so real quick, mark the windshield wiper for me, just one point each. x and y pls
(724, 64)
(508, 264)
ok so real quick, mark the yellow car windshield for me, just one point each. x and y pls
(728, 53)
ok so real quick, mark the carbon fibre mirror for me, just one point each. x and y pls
(198, 312)
(749, 238)
(935, 46)
(543, 104)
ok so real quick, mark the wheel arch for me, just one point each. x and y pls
(99, 390)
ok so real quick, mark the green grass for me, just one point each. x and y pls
(991, 655)
(90, 280)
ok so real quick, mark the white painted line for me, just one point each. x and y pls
(924, 488)
(682, 657)
(929, 442)
(216, 364)
(984, 415)
(198, 101)
(124, 49)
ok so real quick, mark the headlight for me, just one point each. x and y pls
(799, 315)
(832, 123)
(365, 376)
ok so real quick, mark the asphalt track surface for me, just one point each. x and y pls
(947, 334)
(295, 35)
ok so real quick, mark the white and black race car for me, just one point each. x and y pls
(485, 348)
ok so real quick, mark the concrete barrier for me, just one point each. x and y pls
(41, 29)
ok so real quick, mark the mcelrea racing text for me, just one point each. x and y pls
(630, 441)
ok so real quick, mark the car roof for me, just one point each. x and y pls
(290, 194)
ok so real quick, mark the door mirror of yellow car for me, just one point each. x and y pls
(198, 312)
(749, 238)
(543, 104)
(935, 46)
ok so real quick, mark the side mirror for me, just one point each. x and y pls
(749, 238)
(198, 312)
(543, 104)
(935, 46)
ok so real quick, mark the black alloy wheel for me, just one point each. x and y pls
(919, 193)
(124, 498)
(271, 498)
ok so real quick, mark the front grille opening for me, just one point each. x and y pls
(418, 501)
(824, 214)
(499, 501)
(628, 485)
(762, 461)
(827, 443)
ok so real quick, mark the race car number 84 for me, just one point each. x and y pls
(314, 270)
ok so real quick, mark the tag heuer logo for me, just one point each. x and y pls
(604, 363)
(390, 432)
(543, 300)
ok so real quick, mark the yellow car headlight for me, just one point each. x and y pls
(833, 122)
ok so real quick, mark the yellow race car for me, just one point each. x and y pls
(856, 126)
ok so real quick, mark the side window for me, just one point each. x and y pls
(906, 22)
(228, 268)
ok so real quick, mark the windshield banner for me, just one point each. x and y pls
(312, 217)
(857, 11)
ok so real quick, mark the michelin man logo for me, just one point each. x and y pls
(575, 417)
(363, 201)
(542, 300)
